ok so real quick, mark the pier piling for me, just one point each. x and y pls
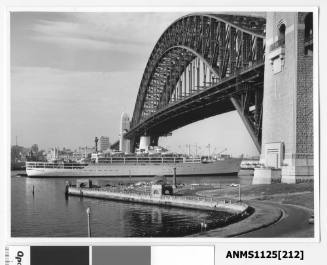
(88, 212)
(66, 189)
(174, 177)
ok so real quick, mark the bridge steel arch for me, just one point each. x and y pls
(231, 47)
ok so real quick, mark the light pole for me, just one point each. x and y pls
(88, 212)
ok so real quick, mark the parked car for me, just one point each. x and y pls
(233, 185)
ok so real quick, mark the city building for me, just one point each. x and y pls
(35, 149)
(19, 155)
(52, 154)
(83, 152)
(55, 154)
(104, 143)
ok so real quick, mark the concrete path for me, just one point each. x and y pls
(270, 220)
(293, 219)
(294, 223)
(264, 215)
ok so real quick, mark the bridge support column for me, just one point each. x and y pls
(146, 141)
(184, 85)
(287, 128)
(198, 75)
(190, 79)
(204, 74)
(154, 140)
(180, 87)
(246, 122)
(132, 145)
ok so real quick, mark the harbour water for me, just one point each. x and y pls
(48, 213)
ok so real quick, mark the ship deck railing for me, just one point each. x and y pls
(54, 165)
(116, 160)
(151, 160)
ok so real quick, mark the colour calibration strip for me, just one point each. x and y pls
(110, 255)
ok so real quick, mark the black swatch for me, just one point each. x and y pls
(59, 255)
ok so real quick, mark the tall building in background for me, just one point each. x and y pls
(104, 143)
(124, 144)
(35, 148)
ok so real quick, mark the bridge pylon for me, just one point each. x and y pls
(124, 143)
(287, 126)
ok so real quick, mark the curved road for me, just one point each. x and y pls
(294, 223)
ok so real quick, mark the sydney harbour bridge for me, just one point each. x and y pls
(209, 64)
(202, 65)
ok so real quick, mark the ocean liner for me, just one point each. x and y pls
(127, 166)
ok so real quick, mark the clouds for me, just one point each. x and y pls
(83, 36)
(133, 28)
(86, 41)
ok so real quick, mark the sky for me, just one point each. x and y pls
(73, 74)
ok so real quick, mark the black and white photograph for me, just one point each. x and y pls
(163, 124)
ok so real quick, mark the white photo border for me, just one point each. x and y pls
(155, 241)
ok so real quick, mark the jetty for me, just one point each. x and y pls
(157, 198)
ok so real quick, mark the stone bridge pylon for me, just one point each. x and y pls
(287, 126)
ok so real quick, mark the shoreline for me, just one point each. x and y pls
(258, 220)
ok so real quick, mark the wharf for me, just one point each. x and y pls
(192, 202)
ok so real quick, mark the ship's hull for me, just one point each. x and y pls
(220, 167)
